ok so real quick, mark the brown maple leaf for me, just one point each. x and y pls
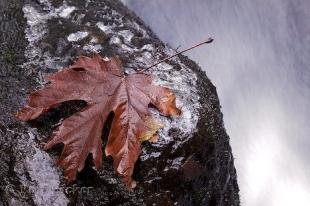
(103, 85)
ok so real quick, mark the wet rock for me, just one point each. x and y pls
(191, 164)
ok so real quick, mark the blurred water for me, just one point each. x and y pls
(259, 63)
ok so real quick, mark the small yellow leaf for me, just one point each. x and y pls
(152, 127)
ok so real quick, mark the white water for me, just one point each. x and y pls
(259, 63)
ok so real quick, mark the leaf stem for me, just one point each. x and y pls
(209, 40)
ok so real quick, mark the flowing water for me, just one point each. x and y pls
(259, 63)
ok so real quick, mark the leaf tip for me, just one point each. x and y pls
(28, 113)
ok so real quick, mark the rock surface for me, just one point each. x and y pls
(191, 164)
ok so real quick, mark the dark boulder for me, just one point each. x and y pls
(191, 164)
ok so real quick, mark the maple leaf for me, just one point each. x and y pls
(103, 85)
